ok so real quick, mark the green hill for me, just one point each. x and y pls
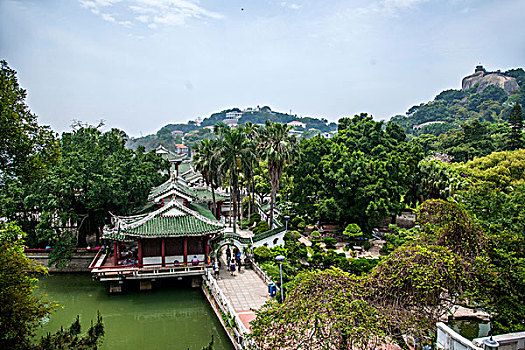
(452, 108)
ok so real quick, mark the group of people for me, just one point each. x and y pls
(233, 263)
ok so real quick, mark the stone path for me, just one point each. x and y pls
(245, 291)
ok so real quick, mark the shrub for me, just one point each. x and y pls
(262, 226)
(330, 242)
(353, 231)
(296, 221)
(366, 245)
(315, 234)
(262, 254)
(292, 236)
(254, 218)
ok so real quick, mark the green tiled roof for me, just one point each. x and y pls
(202, 209)
(171, 220)
(184, 167)
(172, 226)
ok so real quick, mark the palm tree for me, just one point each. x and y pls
(252, 133)
(206, 161)
(279, 149)
(236, 153)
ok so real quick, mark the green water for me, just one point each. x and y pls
(173, 316)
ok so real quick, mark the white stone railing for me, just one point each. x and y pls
(224, 304)
(448, 339)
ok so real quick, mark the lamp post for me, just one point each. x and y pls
(286, 218)
(490, 344)
(280, 259)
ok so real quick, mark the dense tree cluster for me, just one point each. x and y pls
(361, 175)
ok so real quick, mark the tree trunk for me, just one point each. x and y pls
(214, 208)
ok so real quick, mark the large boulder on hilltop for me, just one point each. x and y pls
(484, 79)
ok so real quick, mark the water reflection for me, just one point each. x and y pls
(171, 317)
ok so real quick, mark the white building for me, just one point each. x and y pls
(297, 124)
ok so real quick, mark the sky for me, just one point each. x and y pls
(141, 64)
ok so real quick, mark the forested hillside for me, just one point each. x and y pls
(452, 108)
(192, 133)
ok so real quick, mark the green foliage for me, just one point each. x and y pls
(516, 128)
(352, 231)
(262, 226)
(72, 338)
(20, 310)
(502, 169)
(262, 254)
(360, 175)
(330, 242)
(254, 218)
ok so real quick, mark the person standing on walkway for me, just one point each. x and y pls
(232, 267)
(238, 261)
(228, 254)
(216, 269)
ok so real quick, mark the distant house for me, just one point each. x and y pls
(297, 124)
(418, 127)
(233, 126)
(181, 149)
(177, 132)
(233, 115)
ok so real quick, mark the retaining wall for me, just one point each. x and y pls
(79, 261)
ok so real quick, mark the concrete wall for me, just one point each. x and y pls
(79, 262)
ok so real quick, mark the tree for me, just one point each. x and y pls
(279, 150)
(206, 161)
(516, 127)
(236, 154)
(20, 309)
(26, 148)
(96, 175)
(352, 231)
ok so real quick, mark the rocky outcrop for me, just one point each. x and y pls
(483, 79)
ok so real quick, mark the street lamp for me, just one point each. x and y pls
(490, 344)
(280, 259)
(286, 218)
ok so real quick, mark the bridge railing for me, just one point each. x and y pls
(239, 329)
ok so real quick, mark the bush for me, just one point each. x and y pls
(366, 245)
(262, 254)
(330, 242)
(315, 234)
(296, 221)
(353, 231)
(292, 236)
(254, 218)
(262, 226)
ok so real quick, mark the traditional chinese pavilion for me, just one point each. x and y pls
(170, 241)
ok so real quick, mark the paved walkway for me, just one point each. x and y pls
(245, 291)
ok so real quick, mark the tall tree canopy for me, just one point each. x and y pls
(359, 176)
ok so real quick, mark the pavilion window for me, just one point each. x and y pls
(174, 246)
(151, 247)
(196, 245)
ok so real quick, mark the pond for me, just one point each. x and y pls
(470, 328)
(172, 316)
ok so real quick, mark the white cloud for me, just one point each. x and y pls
(292, 6)
(151, 12)
(107, 17)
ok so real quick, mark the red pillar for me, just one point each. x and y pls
(163, 249)
(207, 251)
(177, 168)
(115, 253)
(140, 252)
(185, 250)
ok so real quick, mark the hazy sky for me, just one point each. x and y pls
(140, 64)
